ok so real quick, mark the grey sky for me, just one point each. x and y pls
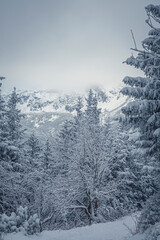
(50, 44)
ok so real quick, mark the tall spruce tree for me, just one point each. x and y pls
(3, 144)
(2, 119)
(34, 150)
(47, 162)
(12, 164)
(33, 177)
(144, 111)
(92, 111)
(14, 117)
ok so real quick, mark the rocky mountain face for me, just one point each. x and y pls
(45, 111)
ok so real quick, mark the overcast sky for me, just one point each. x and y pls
(67, 44)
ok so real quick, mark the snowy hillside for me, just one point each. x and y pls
(117, 230)
(45, 111)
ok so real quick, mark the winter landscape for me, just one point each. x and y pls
(79, 159)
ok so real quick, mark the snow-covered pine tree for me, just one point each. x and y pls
(65, 144)
(92, 112)
(12, 166)
(125, 170)
(47, 157)
(12, 129)
(14, 117)
(79, 107)
(3, 155)
(2, 119)
(144, 110)
(46, 206)
(32, 181)
(34, 150)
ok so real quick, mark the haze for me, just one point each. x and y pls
(68, 44)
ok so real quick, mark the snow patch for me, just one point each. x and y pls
(104, 231)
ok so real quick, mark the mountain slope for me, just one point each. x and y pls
(45, 111)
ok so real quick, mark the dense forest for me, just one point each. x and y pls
(90, 172)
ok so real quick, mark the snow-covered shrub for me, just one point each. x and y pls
(32, 225)
(19, 222)
(8, 224)
(21, 216)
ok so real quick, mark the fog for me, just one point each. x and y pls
(66, 45)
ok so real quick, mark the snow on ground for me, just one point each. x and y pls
(103, 231)
(137, 237)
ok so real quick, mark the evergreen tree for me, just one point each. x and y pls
(66, 139)
(92, 112)
(47, 156)
(34, 150)
(133, 188)
(79, 107)
(32, 180)
(14, 117)
(2, 120)
(144, 111)
(3, 144)
(11, 165)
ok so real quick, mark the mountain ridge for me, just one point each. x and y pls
(45, 111)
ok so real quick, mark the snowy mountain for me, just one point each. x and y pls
(45, 111)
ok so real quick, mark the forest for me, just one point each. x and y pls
(90, 172)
